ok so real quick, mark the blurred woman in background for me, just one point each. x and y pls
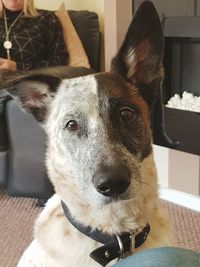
(29, 38)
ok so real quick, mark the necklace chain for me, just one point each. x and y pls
(7, 43)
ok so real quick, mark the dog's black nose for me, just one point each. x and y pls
(112, 181)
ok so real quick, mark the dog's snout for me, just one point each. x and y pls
(111, 181)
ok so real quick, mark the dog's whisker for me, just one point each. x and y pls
(135, 141)
(147, 184)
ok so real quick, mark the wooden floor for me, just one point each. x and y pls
(17, 216)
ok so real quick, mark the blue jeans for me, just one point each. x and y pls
(162, 257)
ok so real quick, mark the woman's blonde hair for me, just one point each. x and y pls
(29, 8)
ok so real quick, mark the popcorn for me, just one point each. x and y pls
(187, 102)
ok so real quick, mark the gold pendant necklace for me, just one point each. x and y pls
(7, 43)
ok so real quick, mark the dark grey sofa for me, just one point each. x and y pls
(22, 166)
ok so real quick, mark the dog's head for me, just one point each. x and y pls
(98, 125)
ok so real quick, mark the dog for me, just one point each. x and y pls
(99, 155)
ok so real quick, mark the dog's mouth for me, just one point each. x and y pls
(113, 189)
(116, 198)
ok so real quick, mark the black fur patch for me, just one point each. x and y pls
(115, 94)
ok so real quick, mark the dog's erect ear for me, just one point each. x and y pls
(140, 56)
(34, 91)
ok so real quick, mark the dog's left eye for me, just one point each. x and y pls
(126, 114)
(72, 125)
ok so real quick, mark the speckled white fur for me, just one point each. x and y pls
(59, 244)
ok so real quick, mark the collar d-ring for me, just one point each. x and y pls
(121, 247)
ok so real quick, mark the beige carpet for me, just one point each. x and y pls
(16, 220)
(18, 214)
(186, 225)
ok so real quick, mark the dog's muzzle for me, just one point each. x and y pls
(112, 181)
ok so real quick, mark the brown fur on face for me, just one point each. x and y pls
(125, 94)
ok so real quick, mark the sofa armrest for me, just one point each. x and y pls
(3, 168)
(27, 174)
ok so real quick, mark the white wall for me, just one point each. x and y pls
(117, 18)
(92, 5)
(161, 156)
(48, 4)
(178, 170)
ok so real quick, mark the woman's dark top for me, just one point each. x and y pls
(36, 41)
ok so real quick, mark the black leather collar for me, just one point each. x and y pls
(115, 246)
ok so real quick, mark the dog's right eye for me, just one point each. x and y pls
(72, 125)
(126, 114)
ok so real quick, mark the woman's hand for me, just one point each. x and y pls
(7, 64)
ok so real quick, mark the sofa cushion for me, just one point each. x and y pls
(87, 26)
(77, 54)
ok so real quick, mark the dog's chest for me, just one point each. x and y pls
(37, 256)
(62, 243)
(70, 250)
